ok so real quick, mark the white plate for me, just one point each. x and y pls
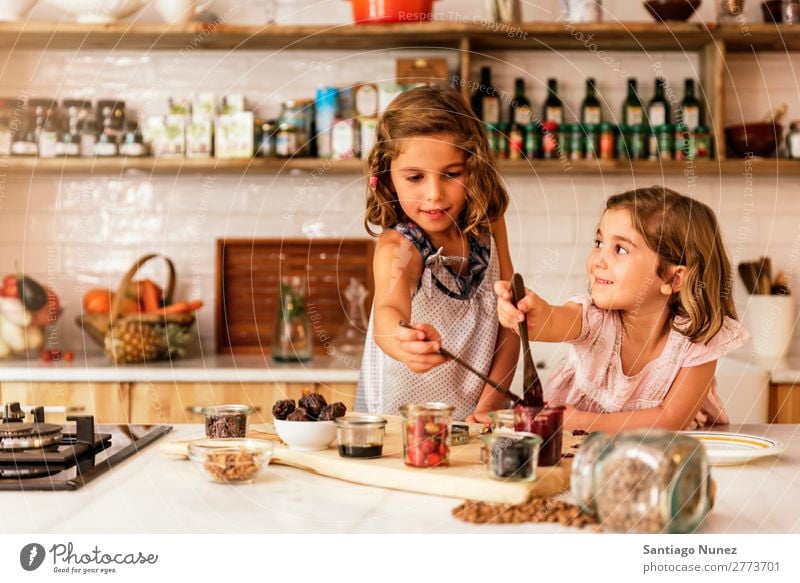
(727, 449)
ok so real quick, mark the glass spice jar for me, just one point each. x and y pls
(565, 139)
(226, 421)
(793, 140)
(360, 436)
(132, 144)
(606, 142)
(701, 149)
(549, 140)
(516, 143)
(592, 143)
(637, 143)
(426, 434)
(645, 481)
(577, 142)
(623, 138)
(533, 141)
(88, 138)
(286, 141)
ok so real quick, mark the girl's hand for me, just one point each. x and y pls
(420, 347)
(479, 417)
(531, 306)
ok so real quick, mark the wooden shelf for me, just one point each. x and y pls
(761, 37)
(271, 166)
(527, 36)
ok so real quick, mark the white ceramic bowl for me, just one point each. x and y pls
(11, 10)
(100, 11)
(306, 435)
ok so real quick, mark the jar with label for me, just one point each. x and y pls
(606, 142)
(299, 115)
(577, 142)
(45, 126)
(684, 142)
(285, 141)
(702, 143)
(637, 143)
(793, 140)
(516, 143)
(549, 140)
(592, 141)
(112, 118)
(266, 139)
(502, 142)
(623, 138)
(644, 481)
(533, 141)
(426, 434)
(132, 144)
(565, 139)
(88, 138)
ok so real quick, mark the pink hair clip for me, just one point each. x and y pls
(373, 182)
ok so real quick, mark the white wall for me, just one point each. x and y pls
(77, 233)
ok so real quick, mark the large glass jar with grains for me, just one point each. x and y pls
(645, 481)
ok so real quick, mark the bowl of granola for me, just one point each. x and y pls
(231, 461)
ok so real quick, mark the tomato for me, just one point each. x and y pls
(433, 459)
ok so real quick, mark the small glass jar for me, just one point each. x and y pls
(223, 421)
(286, 141)
(298, 114)
(132, 144)
(426, 434)
(503, 420)
(512, 456)
(565, 139)
(88, 138)
(292, 336)
(637, 142)
(533, 141)
(606, 142)
(793, 140)
(592, 144)
(360, 436)
(492, 137)
(516, 143)
(549, 140)
(502, 141)
(702, 143)
(106, 146)
(645, 481)
(577, 142)
(266, 139)
(622, 143)
(549, 425)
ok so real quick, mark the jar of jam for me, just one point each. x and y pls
(606, 142)
(549, 425)
(512, 456)
(426, 434)
(645, 481)
(360, 436)
(549, 140)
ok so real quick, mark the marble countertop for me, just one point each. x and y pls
(203, 368)
(151, 493)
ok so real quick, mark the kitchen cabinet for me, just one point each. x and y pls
(784, 403)
(108, 402)
(711, 42)
(183, 402)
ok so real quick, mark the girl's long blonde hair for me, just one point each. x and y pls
(425, 111)
(684, 231)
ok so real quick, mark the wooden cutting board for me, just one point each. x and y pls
(465, 478)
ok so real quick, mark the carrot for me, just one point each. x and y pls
(150, 295)
(182, 307)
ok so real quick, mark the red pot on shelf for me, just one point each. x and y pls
(385, 11)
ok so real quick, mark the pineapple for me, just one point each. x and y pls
(131, 341)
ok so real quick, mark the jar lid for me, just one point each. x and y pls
(363, 421)
(426, 407)
(235, 409)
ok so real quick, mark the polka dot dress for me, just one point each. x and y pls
(468, 327)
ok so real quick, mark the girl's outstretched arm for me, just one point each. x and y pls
(679, 408)
(397, 267)
(506, 349)
(546, 323)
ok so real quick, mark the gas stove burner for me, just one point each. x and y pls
(17, 436)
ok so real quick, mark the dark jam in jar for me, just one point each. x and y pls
(548, 424)
(361, 451)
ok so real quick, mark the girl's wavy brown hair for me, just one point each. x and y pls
(684, 231)
(426, 111)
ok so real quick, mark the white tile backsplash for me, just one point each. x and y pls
(79, 232)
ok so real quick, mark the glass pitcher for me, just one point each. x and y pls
(292, 336)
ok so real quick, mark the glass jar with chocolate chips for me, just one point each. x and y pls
(224, 421)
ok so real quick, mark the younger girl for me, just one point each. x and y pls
(436, 194)
(645, 342)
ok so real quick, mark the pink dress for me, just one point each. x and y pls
(591, 377)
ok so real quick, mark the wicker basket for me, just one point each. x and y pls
(155, 336)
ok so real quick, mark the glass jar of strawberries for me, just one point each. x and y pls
(426, 434)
